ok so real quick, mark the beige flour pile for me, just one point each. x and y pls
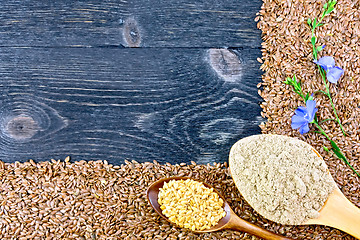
(282, 178)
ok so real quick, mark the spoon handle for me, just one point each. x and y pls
(340, 213)
(236, 223)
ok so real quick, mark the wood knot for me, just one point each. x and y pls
(131, 32)
(225, 63)
(21, 127)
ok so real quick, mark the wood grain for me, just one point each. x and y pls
(71, 86)
(171, 105)
(136, 23)
(84, 23)
(189, 23)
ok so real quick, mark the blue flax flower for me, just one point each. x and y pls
(303, 116)
(333, 73)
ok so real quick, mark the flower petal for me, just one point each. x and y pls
(304, 129)
(301, 111)
(334, 74)
(297, 121)
(326, 63)
(310, 107)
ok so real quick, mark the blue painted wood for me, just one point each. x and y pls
(171, 81)
(168, 105)
(184, 23)
(93, 23)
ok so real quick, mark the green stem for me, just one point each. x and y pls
(322, 17)
(328, 120)
(321, 130)
(313, 45)
(302, 95)
(342, 156)
(323, 75)
(320, 91)
(337, 118)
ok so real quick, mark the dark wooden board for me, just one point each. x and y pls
(171, 105)
(189, 23)
(93, 23)
(70, 86)
(62, 22)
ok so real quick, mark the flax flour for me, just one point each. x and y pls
(281, 177)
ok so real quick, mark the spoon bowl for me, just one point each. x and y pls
(337, 211)
(152, 195)
(230, 221)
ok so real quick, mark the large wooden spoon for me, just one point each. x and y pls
(230, 221)
(337, 212)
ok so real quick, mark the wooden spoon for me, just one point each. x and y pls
(230, 221)
(337, 211)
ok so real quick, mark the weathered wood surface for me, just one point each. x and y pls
(71, 86)
(171, 23)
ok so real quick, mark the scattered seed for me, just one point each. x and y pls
(286, 50)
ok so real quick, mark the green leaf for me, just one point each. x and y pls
(314, 22)
(309, 22)
(313, 40)
(307, 97)
(332, 3)
(337, 151)
(316, 119)
(338, 154)
(319, 48)
(333, 144)
(288, 81)
(320, 24)
(325, 6)
(297, 85)
(329, 10)
(326, 149)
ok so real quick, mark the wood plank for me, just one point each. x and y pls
(136, 23)
(172, 105)
(188, 23)
(62, 23)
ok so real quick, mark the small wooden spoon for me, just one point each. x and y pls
(230, 221)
